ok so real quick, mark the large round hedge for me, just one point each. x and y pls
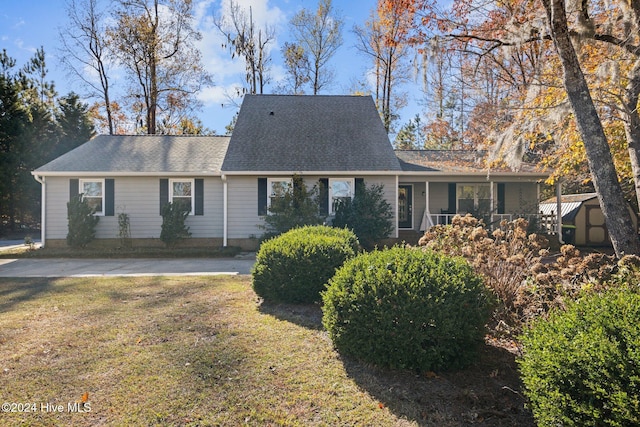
(295, 266)
(407, 308)
(581, 367)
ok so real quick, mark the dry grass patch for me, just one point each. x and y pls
(202, 351)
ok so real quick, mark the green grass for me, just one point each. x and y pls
(200, 351)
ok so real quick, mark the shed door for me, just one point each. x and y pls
(596, 230)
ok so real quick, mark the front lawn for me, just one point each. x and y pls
(204, 351)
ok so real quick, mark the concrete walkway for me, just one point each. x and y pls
(126, 267)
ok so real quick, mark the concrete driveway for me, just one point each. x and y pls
(240, 264)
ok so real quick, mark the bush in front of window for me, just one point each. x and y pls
(174, 229)
(406, 308)
(297, 207)
(581, 366)
(82, 222)
(369, 215)
(295, 266)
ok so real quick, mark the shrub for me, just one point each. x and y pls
(82, 222)
(298, 207)
(174, 229)
(368, 215)
(295, 266)
(581, 367)
(407, 308)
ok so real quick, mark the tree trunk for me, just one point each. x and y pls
(632, 124)
(614, 207)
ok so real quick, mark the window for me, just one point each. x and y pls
(340, 189)
(474, 199)
(276, 188)
(92, 191)
(181, 191)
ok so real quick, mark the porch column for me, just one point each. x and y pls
(559, 210)
(492, 201)
(427, 208)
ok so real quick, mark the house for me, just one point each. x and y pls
(333, 141)
(583, 222)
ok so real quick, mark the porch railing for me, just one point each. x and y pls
(544, 223)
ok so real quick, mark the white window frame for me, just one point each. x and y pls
(352, 181)
(270, 182)
(193, 190)
(81, 183)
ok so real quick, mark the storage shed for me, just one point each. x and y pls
(582, 219)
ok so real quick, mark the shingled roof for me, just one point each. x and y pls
(297, 133)
(143, 154)
(453, 161)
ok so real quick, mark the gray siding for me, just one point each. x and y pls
(139, 197)
(243, 218)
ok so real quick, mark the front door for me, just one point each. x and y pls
(405, 206)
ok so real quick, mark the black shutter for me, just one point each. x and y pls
(324, 196)
(359, 186)
(109, 197)
(164, 193)
(74, 188)
(262, 196)
(501, 201)
(199, 193)
(452, 198)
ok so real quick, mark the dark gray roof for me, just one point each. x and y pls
(143, 153)
(453, 161)
(309, 133)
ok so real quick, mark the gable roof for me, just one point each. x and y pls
(298, 133)
(454, 161)
(143, 154)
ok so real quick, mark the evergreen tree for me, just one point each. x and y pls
(74, 123)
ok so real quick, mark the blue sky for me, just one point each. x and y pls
(25, 25)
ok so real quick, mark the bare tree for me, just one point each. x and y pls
(319, 33)
(154, 42)
(251, 45)
(383, 39)
(85, 46)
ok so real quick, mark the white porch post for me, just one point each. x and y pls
(225, 209)
(559, 210)
(427, 208)
(492, 201)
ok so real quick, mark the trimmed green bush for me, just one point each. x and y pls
(173, 228)
(581, 367)
(82, 222)
(369, 215)
(407, 308)
(295, 266)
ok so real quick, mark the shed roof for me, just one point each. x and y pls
(570, 205)
(309, 133)
(143, 153)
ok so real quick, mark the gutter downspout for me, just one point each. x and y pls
(43, 213)
(225, 217)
